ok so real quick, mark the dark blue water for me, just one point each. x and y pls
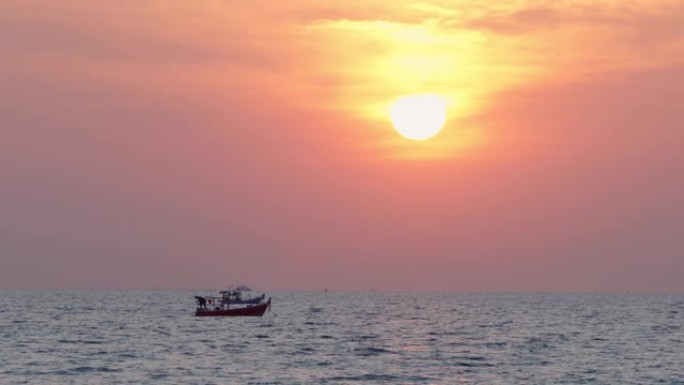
(343, 338)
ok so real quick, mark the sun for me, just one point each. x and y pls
(419, 116)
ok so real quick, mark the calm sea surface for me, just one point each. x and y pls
(343, 338)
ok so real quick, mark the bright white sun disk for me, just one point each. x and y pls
(419, 116)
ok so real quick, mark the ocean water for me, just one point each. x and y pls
(343, 338)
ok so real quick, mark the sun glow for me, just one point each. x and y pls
(419, 116)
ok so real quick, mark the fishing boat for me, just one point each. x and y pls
(223, 306)
(249, 310)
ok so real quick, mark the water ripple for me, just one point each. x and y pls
(343, 338)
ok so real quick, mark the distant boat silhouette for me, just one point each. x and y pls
(243, 287)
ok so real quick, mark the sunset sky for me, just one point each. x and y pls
(190, 144)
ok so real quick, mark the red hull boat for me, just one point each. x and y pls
(253, 311)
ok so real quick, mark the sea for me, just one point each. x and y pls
(152, 337)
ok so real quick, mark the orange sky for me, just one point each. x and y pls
(185, 144)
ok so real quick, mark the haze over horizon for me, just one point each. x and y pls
(186, 145)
